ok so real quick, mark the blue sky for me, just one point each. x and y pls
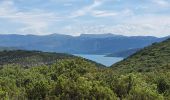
(74, 17)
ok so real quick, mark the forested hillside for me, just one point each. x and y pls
(153, 63)
(125, 53)
(80, 79)
(34, 58)
(73, 79)
(152, 58)
(30, 58)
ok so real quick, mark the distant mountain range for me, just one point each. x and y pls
(83, 44)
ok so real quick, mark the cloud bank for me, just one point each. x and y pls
(130, 17)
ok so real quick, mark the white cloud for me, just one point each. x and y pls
(34, 21)
(139, 25)
(153, 25)
(92, 11)
(68, 4)
(124, 20)
(87, 9)
(121, 13)
(162, 3)
(99, 13)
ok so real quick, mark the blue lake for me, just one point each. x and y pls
(102, 59)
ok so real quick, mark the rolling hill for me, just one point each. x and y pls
(153, 58)
(34, 58)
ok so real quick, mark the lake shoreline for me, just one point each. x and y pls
(102, 59)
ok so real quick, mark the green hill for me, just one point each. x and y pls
(73, 79)
(34, 58)
(30, 58)
(152, 63)
(153, 58)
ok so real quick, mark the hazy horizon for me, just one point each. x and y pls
(73, 17)
(85, 34)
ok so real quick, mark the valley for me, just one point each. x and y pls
(42, 75)
(84, 49)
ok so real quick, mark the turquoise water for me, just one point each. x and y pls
(107, 61)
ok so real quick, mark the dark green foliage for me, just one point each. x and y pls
(75, 79)
(163, 86)
(66, 79)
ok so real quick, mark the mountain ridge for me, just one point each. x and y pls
(90, 44)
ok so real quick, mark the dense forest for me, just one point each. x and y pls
(150, 59)
(142, 76)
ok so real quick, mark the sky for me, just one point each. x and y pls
(75, 17)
